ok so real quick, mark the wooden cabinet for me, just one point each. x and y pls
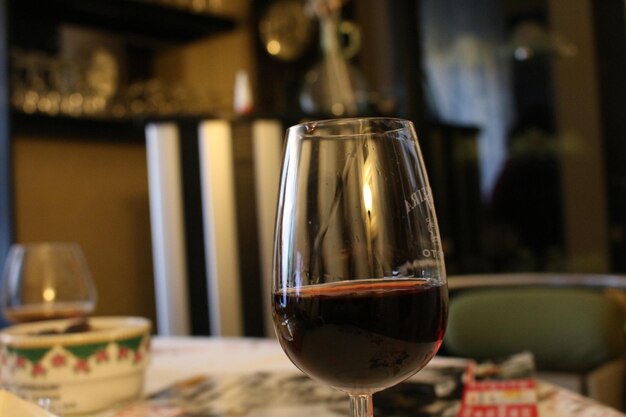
(141, 27)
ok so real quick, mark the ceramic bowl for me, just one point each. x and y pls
(79, 372)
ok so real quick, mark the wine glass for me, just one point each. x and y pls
(360, 298)
(46, 281)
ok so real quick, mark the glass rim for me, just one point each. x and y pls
(43, 248)
(45, 244)
(311, 125)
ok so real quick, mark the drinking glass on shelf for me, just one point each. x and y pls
(359, 297)
(46, 281)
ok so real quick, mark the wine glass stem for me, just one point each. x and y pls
(361, 406)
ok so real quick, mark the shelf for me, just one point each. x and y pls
(130, 17)
(41, 125)
(33, 24)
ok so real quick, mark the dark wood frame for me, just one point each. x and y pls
(609, 19)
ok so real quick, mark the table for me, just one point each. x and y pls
(179, 358)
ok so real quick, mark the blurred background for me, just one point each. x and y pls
(519, 106)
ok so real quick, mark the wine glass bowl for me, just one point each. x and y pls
(359, 292)
(44, 281)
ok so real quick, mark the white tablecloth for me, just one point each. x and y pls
(178, 358)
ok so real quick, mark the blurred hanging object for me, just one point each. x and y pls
(286, 29)
(333, 86)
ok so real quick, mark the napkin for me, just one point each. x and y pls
(11, 405)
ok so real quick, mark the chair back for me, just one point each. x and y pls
(568, 321)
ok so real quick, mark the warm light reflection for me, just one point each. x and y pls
(367, 197)
(49, 294)
(273, 47)
(337, 109)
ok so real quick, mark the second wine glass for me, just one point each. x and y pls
(46, 281)
(359, 297)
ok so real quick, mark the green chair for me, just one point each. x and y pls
(570, 323)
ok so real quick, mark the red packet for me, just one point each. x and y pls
(499, 398)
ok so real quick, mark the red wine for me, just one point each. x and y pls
(37, 312)
(362, 335)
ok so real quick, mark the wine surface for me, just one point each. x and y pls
(362, 336)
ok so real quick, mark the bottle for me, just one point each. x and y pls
(334, 86)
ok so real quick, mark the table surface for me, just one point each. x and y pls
(178, 358)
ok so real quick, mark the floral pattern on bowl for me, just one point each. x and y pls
(79, 358)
